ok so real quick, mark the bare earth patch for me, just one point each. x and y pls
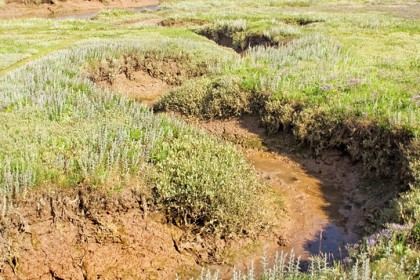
(61, 236)
(140, 87)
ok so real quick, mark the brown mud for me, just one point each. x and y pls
(81, 9)
(84, 234)
(140, 87)
(226, 39)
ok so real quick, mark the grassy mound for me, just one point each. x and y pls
(208, 98)
(59, 129)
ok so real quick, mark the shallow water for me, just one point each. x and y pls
(92, 14)
(318, 220)
(318, 224)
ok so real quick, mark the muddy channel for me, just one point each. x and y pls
(77, 9)
(323, 205)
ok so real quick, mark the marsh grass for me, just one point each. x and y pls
(292, 88)
(60, 129)
(381, 256)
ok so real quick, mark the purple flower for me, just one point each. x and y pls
(371, 241)
(352, 82)
(397, 227)
(416, 100)
(347, 260)
(326, 87)
(386, 233)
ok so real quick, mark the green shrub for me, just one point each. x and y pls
(208, 98)
(207, 185)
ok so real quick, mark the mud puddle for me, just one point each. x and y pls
(140, 87)
(317, 222)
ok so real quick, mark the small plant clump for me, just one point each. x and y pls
(201, 183)
(208, 98)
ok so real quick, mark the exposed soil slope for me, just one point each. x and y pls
(74, 234)
(86, 235)
(141, 87)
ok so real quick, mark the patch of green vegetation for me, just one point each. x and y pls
(210, 191)
(128, 18)
(60, 129)
(114, 13)
(208, 98)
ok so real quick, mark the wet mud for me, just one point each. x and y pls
(85, 234)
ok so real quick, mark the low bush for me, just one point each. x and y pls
(208, 98)
(207, 185)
